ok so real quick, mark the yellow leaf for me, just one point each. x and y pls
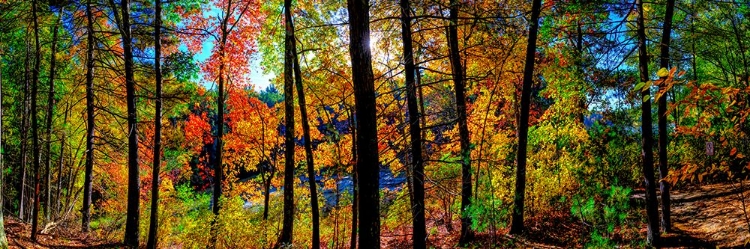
(663, 72)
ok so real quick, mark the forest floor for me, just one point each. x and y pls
(707, 216)
(62, 237)
(712, 215)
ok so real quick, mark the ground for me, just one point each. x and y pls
(707, 216)
(713, 214)
(64, 237)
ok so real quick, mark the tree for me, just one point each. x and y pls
(227, 66)
(306, 133)
(523, 123)
(666, 222)
(34, 121)
(88, 172)
(50, 109)
(368, 165)
(287, 229)
(154, 221)
(652, 211)
(463, 127)
(133, 214)
(419, 236)
(3, 238)
(24, 134)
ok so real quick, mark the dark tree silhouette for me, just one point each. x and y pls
(666, 222)
(154, 222)
(368, 165)
(419, 236)
(652, 209)
(523, 124)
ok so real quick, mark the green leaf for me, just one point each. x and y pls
(646, 98)
(639, 86)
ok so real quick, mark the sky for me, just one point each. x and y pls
(259, 79)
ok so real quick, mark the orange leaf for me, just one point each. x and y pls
(733, 151)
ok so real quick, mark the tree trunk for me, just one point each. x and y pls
(88, 175)
(287, 228)
(219, 164)
(419, 236)
(154, 222)
(266, 198)
(368, 164)
(132, 234)
(61, 164)
(308, 143)
(666, 222)
(34, 121)
(355, 183)
(523, 123)
(50, 109)
(24, 135)
(3, 238)
(463, 129)
(652, 210)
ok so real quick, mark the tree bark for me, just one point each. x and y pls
(3, 238)
(154, 222)
(34, 121)
(50, 109)
(24, 135)
(419, 236)
(517, 226)
(287, 228)
(88, 172)
(463, 129)
(219, 164)
(355, 183)
(666, 222)
(132, 233)
(652, 211)
(368, 165)
(308, 143)
(61, 164)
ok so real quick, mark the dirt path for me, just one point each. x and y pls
(18, 237)
(713, 213)
(709, 216)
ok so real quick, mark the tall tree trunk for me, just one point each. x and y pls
(3, 238)
(50, 109)
(24, 135)
(287, 228)
(368, 164)
(523, 123)
(355, 182)
(132, 234)
(61, 164)
(88, 172)
(666, 222)
(652, 209)
(154, 222)
(34, 121)
(219, 164)
(463, 129)
(308, 143)
(419, 236)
